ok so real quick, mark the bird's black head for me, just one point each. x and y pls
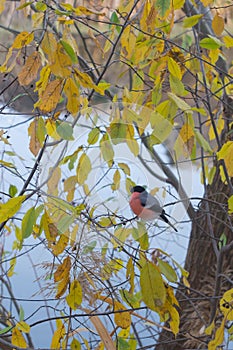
(139, 189)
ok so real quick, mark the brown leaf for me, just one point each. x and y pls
(30, 69)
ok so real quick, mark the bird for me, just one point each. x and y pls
(147, 207)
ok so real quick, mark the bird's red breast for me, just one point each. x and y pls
(135, 203)
(139, 210)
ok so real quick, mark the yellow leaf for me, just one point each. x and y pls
(74, 298)
(174, 68)
(226, 153)
(207, 2)
(22, 39)
(107, 149)
(49, 45)
(62, 270)
(72, 93)
(62, 63)
(69, 186)
(130, 140)
(81, 10)
(125, 168)
(185, 141)
(116, 180)
(60, 246)
(17, 339)
(177, 4)
(43, 81)
(23, 326)
(152, 286)
(11, 272)
(62, 275)
(55, 176)
(226, 305)
(75, 345)
(210, 328)
(34, 144)
(219, 337)
(58, 335)
(51, 129)
(10, 208)
(122, 319)
(121, 234)
(30, 69)
(84, 79)
(218, 24)
(83, 168)
(130, 274)
(162, 127)
(2, 5)
(228, 40)
(51, 96)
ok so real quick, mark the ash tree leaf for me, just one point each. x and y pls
(218, 24)
(28, 222)
(93, 136)
(167, 270)
(74, 298)
(69, 50)
(65, 130)
(211, 43)
(10, 208)
(83, 168)
(152, 286)
(191, 21)
(12, 190)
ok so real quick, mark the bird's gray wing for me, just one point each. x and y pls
(150, 202)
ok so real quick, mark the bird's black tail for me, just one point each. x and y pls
(164, 218)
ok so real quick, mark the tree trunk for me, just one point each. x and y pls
(210, 269)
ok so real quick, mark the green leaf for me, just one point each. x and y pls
(12, 190)
(222, 241)
(6, 330)
(40, 6)
(24, 5)
(211, 43)
(191, 21)
(10, 208)
(179, 102)
(152, 286)
(162, 6)
(28, 222)
(167, 270)
(65, 130)
(202, 142)
(114, 19)
(21, 313)
(93, 136)
(230, 205)
(70, 51)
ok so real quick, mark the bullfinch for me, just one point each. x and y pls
(147, 207)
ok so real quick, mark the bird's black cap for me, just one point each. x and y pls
(139, 189)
